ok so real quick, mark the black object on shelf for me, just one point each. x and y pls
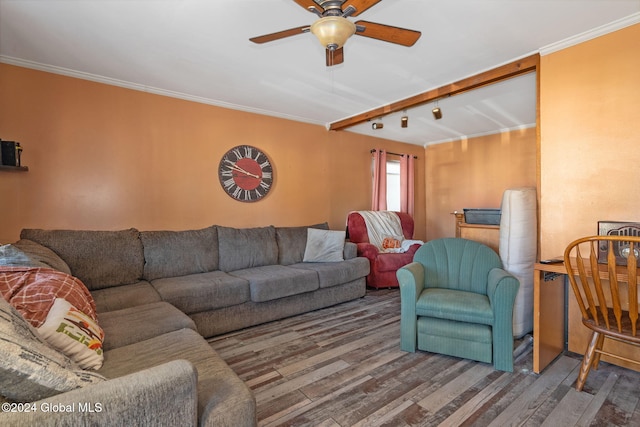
(10, 153)
(482, 216)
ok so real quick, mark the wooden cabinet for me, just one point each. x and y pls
(548, 313)
(486, 234)
(549, 322)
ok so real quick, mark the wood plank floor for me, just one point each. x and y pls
(342, 366)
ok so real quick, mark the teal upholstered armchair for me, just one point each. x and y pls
(456, 299)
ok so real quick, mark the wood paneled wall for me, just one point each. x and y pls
(590, 143)
(474, 173)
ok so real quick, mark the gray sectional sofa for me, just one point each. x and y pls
(158, 293)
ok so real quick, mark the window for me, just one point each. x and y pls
(393, 185)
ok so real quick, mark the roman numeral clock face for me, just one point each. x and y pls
(245, 173)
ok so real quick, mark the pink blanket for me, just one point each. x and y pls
(32, 291)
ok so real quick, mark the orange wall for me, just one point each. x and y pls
(590, 137)
(104, 157)
(474, 173)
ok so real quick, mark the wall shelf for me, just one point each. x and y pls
(14, 168)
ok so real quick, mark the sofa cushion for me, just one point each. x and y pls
(119, 297)
(247, 247)
(31, 254)
(452, 304)
(29, 368)
(178, 253)
(164, 395)
(202, 292)
(458, 339)
(223, 398)
(453, 330)
(336, 273)
(324, 246)
(277, 281)
(292, 242)
(100, 259)
(135, 324)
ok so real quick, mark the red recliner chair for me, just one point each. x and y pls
(383, 265)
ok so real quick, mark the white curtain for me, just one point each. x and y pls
(379, 195)
(407, 185)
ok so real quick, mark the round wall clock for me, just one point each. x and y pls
(245, 173)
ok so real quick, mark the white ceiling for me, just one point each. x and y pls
(200, 50)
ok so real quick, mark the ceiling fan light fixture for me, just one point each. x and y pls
(333, 31)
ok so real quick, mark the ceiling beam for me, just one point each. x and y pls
(521, 66)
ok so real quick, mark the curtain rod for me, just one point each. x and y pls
(373, 150)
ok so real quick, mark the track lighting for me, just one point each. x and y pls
(437, 113)
(377, 125)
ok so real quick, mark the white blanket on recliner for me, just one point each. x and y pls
(385, 224)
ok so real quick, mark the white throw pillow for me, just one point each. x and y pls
(324, 246)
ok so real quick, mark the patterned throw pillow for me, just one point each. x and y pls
(74, 333)
(72, 327)
(392, 242)
(29, 368)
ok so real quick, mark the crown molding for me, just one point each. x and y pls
(148, 89)
(627, 21)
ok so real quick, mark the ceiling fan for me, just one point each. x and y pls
(333, 28)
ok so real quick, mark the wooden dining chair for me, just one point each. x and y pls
(608, 299)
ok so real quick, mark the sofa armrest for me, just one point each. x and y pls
(162, 395)
(350, 250)
(502, 288)
(367, 250)
(413, 248)
(411, 281)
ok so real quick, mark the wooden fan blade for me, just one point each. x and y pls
(280, 35)
(388, 33)
(335, 57)
(309, 4)
(359, 5)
